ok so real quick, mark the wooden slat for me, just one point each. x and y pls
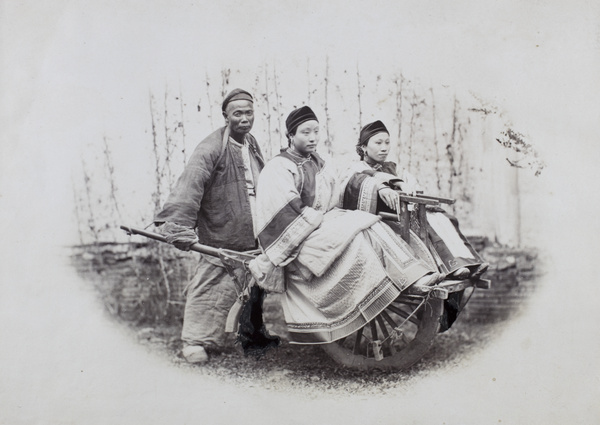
(389, 319)
(448, 201)
(422, 223)
(403, 314)
(454, 285)
(393, 325)
(386, 334)
(374, 334)
(357, 340)
(404, 221)
(405, 300)
(418, 200)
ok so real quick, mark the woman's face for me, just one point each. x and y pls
(306, 138)
(378, 147)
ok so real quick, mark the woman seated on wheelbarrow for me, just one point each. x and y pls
(370, 186)
(339, 269)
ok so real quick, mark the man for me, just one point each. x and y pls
(213, 203)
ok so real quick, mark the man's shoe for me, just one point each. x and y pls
(194, 354)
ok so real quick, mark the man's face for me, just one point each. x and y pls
(239, 116)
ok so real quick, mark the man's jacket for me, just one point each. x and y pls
(211, 194)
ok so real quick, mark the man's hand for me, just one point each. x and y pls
(181, 237)
(389, 197)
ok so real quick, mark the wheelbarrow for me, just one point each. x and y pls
(403, 332)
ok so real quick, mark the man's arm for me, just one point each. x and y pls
(178, 218)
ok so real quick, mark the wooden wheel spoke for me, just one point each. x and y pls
(389, 319)
(403, 344)
(357, 340)
(386, 334)
(382, 319)
(374, 335)
(407, 301)
(403, 314)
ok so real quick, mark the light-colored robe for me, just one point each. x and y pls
(342, 268)
(359, 192)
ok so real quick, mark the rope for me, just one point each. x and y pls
(398, 328)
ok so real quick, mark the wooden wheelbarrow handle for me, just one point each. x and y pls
(232, 260)
(203, 249)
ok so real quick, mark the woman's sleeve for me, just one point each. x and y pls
(360, 193)
(360, 188)
(283, 221)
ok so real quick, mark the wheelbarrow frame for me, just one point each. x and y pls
(383, 342)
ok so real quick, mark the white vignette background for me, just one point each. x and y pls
(63, 362)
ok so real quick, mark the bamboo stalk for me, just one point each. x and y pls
(76, 207)
(182, 126)
(279, 107)
(91, 217)
(266, 97)
(157, 195)
(308, 79)
(359, 97)
(399, 112)
(168, 142)
(436, 143)
(210, 115)
(450, 149)
(328, 141)
(111, 177)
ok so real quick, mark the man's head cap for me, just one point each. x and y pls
(371, 130)
(236, 94)
(299, 116)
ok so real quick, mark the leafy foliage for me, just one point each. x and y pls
(527, 155)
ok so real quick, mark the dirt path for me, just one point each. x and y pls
(305, 369)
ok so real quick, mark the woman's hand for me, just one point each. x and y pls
(389, 197)
(398, 184)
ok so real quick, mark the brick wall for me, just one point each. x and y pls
(134, 287)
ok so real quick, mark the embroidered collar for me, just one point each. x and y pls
(297, 158)
(377, 166)
(300, 160)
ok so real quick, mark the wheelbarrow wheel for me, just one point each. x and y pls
(394, 340)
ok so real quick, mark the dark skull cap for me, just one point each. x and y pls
(370, 130)
(299, 116)
(236, 94)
